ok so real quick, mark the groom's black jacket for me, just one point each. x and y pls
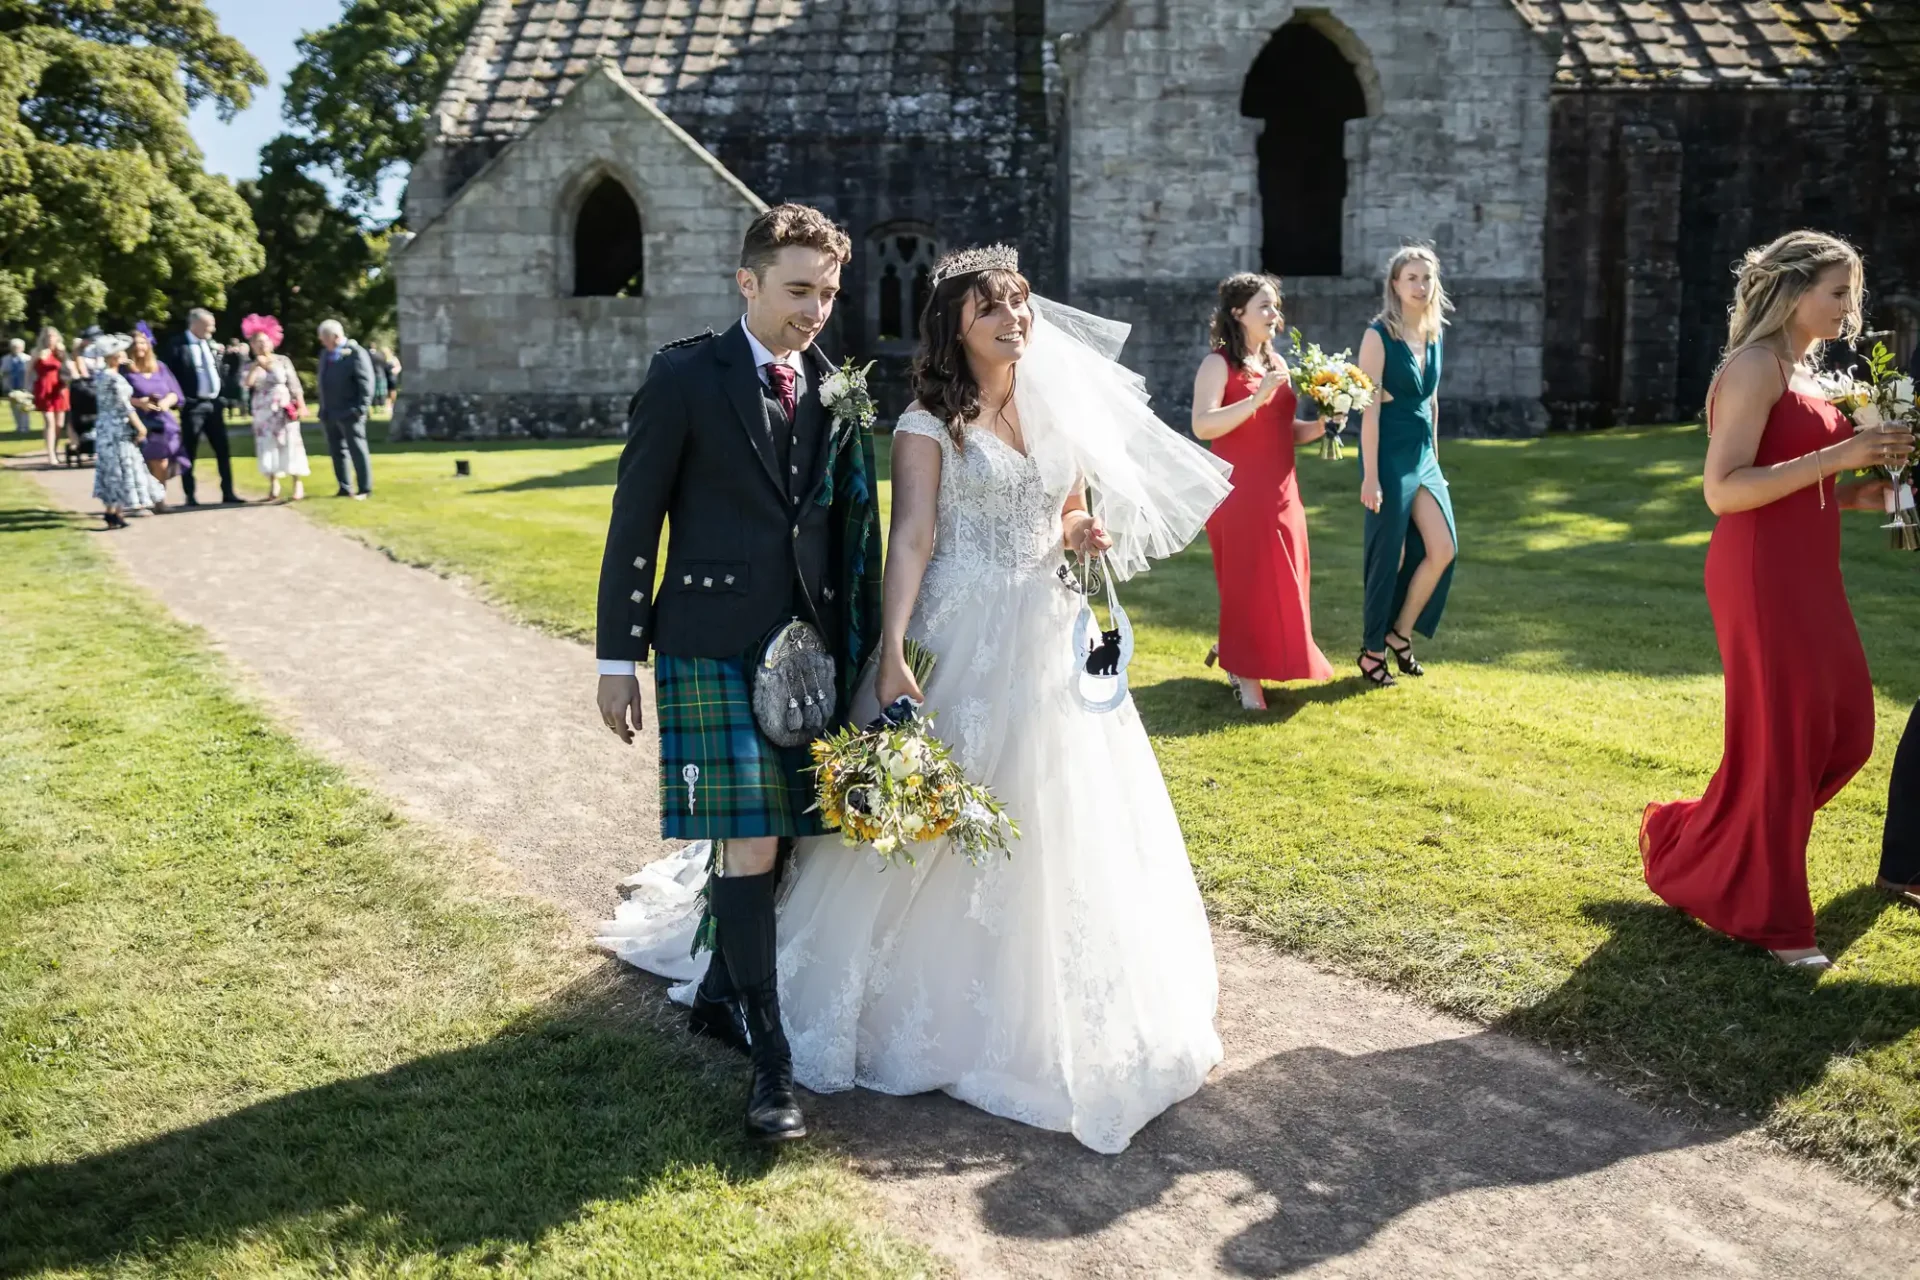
(748, 545)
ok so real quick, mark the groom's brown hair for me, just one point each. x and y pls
(791, 224)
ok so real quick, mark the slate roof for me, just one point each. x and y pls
(855, 67)
(1772, 43)
(939, 68)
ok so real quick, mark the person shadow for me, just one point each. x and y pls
(1328, 1148)
(596, 1096)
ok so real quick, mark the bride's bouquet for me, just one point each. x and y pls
(893, 785)
(1333, 382)
(1885, 396)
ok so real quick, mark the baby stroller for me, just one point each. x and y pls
(80, 418)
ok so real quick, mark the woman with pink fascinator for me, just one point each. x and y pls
(274, 391)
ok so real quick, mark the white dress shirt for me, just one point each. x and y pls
(762, 357)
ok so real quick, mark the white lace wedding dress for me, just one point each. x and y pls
(1071, 986)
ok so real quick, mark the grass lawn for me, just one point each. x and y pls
(1469, 837)
(253, 1023)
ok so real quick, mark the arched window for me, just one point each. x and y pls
(1306, 90)
(608, 257)
(902, 261)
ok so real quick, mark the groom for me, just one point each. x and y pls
(770, 505)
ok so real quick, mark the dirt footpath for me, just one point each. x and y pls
(1349, 1132)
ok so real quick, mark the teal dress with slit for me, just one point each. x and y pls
(1407, 464)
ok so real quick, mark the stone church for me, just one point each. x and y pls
(1588, 171)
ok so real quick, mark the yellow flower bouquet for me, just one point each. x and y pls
(1333, 382)
(893, 785)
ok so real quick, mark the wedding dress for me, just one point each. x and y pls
(1070, 985)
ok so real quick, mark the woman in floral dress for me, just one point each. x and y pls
(275, 394)
(120, 477)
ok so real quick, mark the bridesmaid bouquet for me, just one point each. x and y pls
(893, 785)
(1335, 383)
(1887, 395)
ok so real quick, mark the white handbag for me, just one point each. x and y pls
(1100, 670)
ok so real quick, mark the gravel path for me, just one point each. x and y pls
(1349, 1132)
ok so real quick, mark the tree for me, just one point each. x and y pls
(105, 205)
(365, 86)
(319, 261)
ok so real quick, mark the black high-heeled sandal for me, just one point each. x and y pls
(1403, 655)
(1377, 673)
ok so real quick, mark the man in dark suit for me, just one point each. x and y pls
(770, 505)
(194, 357)
(346, 393)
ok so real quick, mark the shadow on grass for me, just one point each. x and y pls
(1189, 706)
(603, 472)
(493, 1144)
(29, 519)
(1716, 1018)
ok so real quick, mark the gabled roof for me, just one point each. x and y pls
(1772, 43)
(853, 67)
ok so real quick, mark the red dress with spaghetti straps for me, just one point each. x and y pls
(1259, 541)
(1799, 705)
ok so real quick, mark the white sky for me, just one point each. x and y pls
(268, 28)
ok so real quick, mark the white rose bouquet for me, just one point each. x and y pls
(21, 399)
(1885, 396)
(894, 785)
(1333, 382)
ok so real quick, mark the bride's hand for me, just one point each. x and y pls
(1088, 536)
(894, 681)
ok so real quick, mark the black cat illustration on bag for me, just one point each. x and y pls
(1105, 660)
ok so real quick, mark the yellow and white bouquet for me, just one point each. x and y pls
(21, 399)
(893, 785)
(1885, 396)
(1333, 382)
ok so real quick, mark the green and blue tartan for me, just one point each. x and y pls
(719, 776)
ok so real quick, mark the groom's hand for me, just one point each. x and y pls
(619, 698)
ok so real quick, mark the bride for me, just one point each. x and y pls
(1072, 984)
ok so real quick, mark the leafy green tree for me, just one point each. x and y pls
(319, 261)
(365, 86)
(105, 206)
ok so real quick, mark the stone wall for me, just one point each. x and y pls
(1163, 182)
(1658, 193)
(493, 343)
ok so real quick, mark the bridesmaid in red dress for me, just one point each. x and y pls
(1799, 718)
(1244, 403)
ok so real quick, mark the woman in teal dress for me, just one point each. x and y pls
(1409, 544)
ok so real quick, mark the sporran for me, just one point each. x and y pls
(794, 694)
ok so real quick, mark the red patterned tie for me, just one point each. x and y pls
(780, 376)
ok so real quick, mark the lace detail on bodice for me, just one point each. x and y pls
(998, 517)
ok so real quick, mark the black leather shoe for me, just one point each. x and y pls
(773, 1114)
(720, 1021)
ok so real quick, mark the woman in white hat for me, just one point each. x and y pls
(120, 477)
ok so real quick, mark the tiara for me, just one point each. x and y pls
(993, 257)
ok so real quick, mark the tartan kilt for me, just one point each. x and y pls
(719, 777)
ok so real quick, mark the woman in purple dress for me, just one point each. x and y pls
(156, 394)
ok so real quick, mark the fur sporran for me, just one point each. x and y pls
(794, 694)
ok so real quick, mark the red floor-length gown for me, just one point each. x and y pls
(1799, 720)
(1259, 541)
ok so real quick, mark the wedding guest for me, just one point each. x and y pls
(155, 397)
(1799, 702)
(346, 393)
(52, 370)
(83, 363)
(16, 374)
(377, 358)
(393, 379)
(1244, 405)
(1900, 846)
(278, 401)
(195, 359)
(1409, 540)
(121, 480)
(233, 357)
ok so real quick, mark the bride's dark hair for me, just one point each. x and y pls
(941, 379)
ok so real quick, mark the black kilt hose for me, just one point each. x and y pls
(769, 518)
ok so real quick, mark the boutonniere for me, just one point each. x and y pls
(844, 395)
